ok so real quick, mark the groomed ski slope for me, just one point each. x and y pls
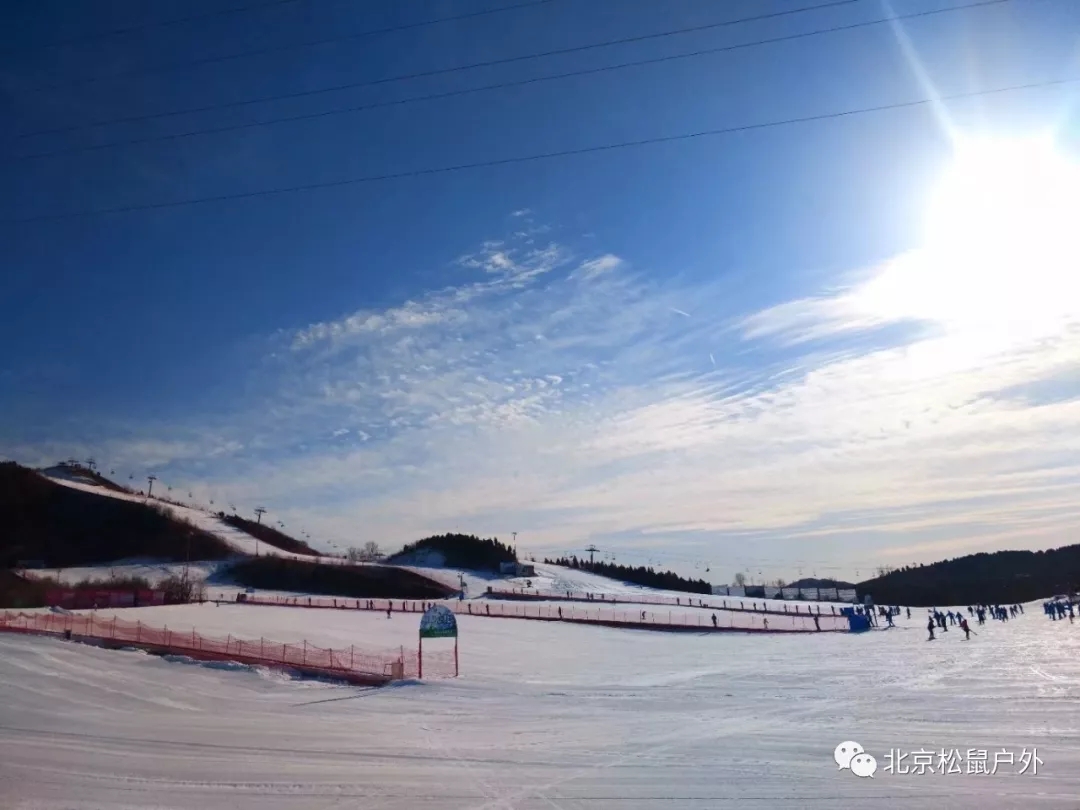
(545, 716)
(238, 540)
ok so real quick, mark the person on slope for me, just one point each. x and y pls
(714, 621)
(909, 613)
(930, 628)
(965, 628)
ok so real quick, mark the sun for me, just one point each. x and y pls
(1002, 236)
(1000, 252)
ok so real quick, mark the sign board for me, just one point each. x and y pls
(438, 622)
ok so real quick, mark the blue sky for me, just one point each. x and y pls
(701, 352)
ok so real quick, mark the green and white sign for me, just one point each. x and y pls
(438, 622)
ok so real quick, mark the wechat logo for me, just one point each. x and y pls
(853, 757)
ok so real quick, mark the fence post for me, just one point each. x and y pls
(352, 649)
(166, 635)
(262, 647)
(303, 660)
(138, 629)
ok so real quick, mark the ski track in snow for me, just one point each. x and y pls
(551, 716)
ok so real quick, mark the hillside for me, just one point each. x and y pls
(354, 581)
(456, 551)
(1002, 577)
(41, 519)
(640, 575)
(66, 470)
(268, 534)
(237, 539)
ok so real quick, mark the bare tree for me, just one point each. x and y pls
(369, 552)
(740, 580)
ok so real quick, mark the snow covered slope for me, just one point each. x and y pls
(152, 570)
(239, 540)
(545, 717)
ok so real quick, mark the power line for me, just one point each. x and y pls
(293, 46)
(159, 24)
(609, 147)
(456, 69)
(497, 86)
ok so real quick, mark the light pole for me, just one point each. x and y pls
(150, 489)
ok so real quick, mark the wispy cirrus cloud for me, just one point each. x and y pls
(564, 396)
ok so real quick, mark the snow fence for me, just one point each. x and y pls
(776, 608)
(353, 664)
(655, 618)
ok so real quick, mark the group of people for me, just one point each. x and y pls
(874, 613)
(1000, 612)
(1059, 608)
(942, 621)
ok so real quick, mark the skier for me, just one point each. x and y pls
(965, 628)
(930, 629)
(714, 621)
(389, 609)
(909, 613)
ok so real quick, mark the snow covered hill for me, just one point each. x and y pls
(236, 539)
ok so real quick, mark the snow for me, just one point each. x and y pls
(151, 569)
(549, 716)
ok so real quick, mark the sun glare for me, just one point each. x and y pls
(1001, 247)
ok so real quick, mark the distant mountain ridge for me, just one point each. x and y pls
(811, 582)
(1001, 577)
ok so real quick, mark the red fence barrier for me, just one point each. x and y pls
(696, 620)
(352, 663)
(693, 600)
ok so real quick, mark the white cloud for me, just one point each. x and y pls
(599, 265)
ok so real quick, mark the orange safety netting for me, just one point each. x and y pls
(349, 661)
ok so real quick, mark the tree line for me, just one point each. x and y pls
(459, 551)
(1001, 577)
